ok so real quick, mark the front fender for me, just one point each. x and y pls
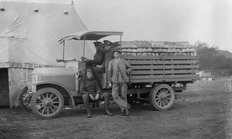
(62, 89)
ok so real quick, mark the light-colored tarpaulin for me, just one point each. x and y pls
(29, 32)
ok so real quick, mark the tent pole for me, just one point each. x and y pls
(84, 48)
(63, 49)
(120, 40)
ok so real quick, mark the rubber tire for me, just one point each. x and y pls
(40, 92)
(155, 90)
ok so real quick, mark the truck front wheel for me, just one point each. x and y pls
(162, 97)
(46, 103)
(25, 99)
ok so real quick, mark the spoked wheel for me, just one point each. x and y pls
(162, 97)
(46, 103)
(25, 99)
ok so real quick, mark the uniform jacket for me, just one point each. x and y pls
(107, 57)
(118, 71)
(89, 86)
(98, 58)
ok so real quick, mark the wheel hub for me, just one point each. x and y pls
(47, 103)
(162, 95)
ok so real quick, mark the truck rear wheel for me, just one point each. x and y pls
(47, 103)
(162, 97)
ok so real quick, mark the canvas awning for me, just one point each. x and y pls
(90, 35)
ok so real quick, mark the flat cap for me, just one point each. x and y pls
(89, 70)
(107, 42)
(117, 50)
(97, 43)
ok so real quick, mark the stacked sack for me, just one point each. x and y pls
(152, 48)
(129, 48)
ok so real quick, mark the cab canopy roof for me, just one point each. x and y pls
(90, 35)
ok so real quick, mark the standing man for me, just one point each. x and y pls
(118, 74)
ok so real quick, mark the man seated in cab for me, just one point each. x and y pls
(90, 90)
(98, 56)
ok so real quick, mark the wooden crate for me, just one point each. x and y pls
(163, 69)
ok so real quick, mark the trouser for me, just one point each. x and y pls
(121, 101)
(104, 96)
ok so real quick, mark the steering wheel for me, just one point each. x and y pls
(84, 59)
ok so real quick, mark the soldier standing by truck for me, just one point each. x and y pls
(118, 74)
(109, 49)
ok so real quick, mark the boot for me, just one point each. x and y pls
(106, 101)
(86, 104)
(125, 112)
(89, 114)
(109, 113)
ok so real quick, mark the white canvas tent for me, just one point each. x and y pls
(29, 34)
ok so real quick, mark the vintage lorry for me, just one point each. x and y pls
(160, 71)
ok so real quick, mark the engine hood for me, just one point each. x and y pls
(54, 71)
(62, 76)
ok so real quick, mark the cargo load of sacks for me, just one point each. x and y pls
(154, 48)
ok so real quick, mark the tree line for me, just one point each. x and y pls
(212, 58)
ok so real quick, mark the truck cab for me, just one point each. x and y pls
(52, 88)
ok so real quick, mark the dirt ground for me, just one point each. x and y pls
(204, 112)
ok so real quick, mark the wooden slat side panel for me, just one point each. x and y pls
(165, 71)
(166, 67)
(146, 67)
(147, 77)
(181, 67)
(161, 80)
(155, 62)
(146, 80)
(180, 57)
(145, 62)
(158, 57)
(163, 68)
(162, 76)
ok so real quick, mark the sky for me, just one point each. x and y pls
(162, 20)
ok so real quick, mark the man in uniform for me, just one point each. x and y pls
(118, 74)
(98, 56)
(109, 48)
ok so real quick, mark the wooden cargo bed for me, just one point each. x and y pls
(163, 68)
